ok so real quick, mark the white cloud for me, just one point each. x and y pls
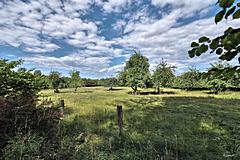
(115, 5)
(33, 25)
(78, 61)
(187, 6)
(162, 39)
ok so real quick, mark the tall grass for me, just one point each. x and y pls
(175, 125)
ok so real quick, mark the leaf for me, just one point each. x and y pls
(230, 29)
(194, 44)
(239, 59)
(203, 39)
(191, 53)
(219, 51)
(228, 56)
(226, 3)
(230, 11)
(219, 16)
(214, 44)
(238, 4)
(203, 48)
(236, 15)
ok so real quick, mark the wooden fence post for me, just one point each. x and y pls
(120, 119)
(62, 105)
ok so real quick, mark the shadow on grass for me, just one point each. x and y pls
(115, 89)
(86, 92)
(154, 93)
(160, 127)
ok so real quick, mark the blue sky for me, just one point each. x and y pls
(97, 37)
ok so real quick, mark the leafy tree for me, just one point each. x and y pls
(221, 75)
(218, 85)
(37, 73)
(163, 76)
(108, 82)
(21, 82)
(122, 78)
(227, 45)
(188, 80)
(87, 82)
(75, 79)
(19, 112)
(136, 72)
(55, 79)
(22, 69)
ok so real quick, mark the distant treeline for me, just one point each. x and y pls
(221, 76)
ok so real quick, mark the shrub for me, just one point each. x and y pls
(24, 147)
(19, 112)
(217, 85)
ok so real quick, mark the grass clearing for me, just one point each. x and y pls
(175, 125)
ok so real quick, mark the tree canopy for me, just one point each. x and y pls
(136, 72)
(20, 82)
(75, 79)
(163, 75)
(55, 79)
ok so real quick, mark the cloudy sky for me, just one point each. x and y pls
(97, 37)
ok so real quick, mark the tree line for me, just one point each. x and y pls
(136, 74)
(219, 77)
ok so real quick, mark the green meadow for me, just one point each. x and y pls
(176, 124)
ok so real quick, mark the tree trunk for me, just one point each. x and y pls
(134, 88)
(75, 90)
(158, 90)
(56, 90)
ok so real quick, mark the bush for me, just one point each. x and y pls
(217, 85)
(24, 147)
(20, 116)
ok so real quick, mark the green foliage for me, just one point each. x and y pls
(163, 76)
(87, 82)
(21, 82)
(227, 46)
(24, 147)
(136, 72)
(188, 80)
(221, 76)
(75, 79)
(218, 85)
(109, 82)
(55, 79)
(19, 114)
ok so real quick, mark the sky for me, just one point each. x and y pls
(97, 37)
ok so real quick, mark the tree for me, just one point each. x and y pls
(37, 73)
(227, 46)
(55, 79)
(21, 82)
(163, 76)
(221, 76)
(218, 85)
(20, 112)
(75, 79)
(189, 80)
(136, 72)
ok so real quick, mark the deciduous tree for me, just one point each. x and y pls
(76, 80)
(55, 79)
(136, 72)
(163, 76)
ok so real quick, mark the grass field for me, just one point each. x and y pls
(175, 125)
